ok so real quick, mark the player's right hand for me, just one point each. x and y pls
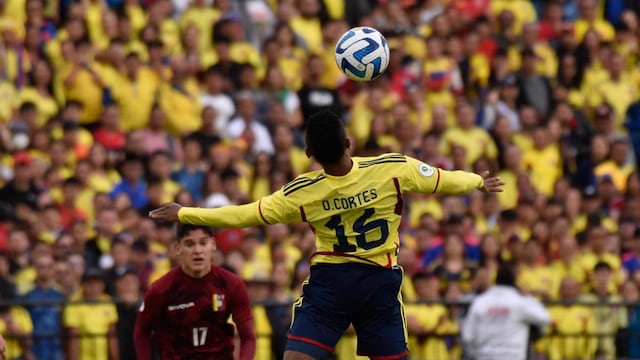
(166, 212)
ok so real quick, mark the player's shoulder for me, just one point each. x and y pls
(302, 181)
(165, 282)
(230, 278)
(383, 159)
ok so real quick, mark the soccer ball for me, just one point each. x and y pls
(362, 53)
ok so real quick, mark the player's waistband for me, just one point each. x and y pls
(387, 260)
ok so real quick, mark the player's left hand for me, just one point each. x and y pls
(166, 212)
(491, 184)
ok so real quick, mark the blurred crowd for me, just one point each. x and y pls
(110, 108)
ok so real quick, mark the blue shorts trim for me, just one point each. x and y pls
(308, 346)
(402, 356)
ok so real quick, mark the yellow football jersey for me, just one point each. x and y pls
(355, 216)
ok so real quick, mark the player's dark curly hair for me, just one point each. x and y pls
(183, 230)
(325, 136)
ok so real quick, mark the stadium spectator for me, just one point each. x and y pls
(132, 185)
(426, 319)
(497, 325)
(91, 324)
(47, 341)
(609, 319)
(572, 327)
(183, 329)
(128, 298)
(18, 328)
(626, 347)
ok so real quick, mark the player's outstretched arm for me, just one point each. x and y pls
(462, 182)
(417, 176)
(237, 216)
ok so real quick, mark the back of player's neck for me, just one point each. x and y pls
(341, 168)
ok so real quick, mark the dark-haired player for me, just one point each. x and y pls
(354, 205)
(187, 310)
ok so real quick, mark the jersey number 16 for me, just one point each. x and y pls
(361, 227)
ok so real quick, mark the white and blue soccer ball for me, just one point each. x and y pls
(362, 53)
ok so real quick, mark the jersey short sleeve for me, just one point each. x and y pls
(111, 313)
(417, 176)
(22, 318)
(277, 208)
(72, 316)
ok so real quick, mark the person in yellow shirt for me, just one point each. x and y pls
(283, 143)
(598, 241)
(230, 27)
(180, 99)
(567, 264)
(548, 62)
(159, 166)
(157, 60)
(307, 24)
(83, 81)
(425, 321)
(534, 277)
(441, 76)
(16, 325)
(15, 60)
(159, 15)
(203, 17)
(40, 92)
(475, 140)
(608, 318)
(9, 94)
(135, 94)
(542, 163)
(522, 11)
(572, 326)
(617, 167)
(512, 156)
(618, 90)
(366, 106)
(479, 67)
(589, 20)
(92, 323)
(332, 77)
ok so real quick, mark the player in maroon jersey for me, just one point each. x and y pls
(187, 310)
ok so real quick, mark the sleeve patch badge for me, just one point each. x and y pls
(426, 170)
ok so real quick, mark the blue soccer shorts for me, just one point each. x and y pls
(337, 295)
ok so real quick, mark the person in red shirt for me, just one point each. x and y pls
(109, 133)
(187, 310)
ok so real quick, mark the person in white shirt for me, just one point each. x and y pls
(245, 126)
(215, 97)
(497, 324)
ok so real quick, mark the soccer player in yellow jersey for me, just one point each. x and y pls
(354, 205)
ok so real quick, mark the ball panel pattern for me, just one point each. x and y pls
(362, 54)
